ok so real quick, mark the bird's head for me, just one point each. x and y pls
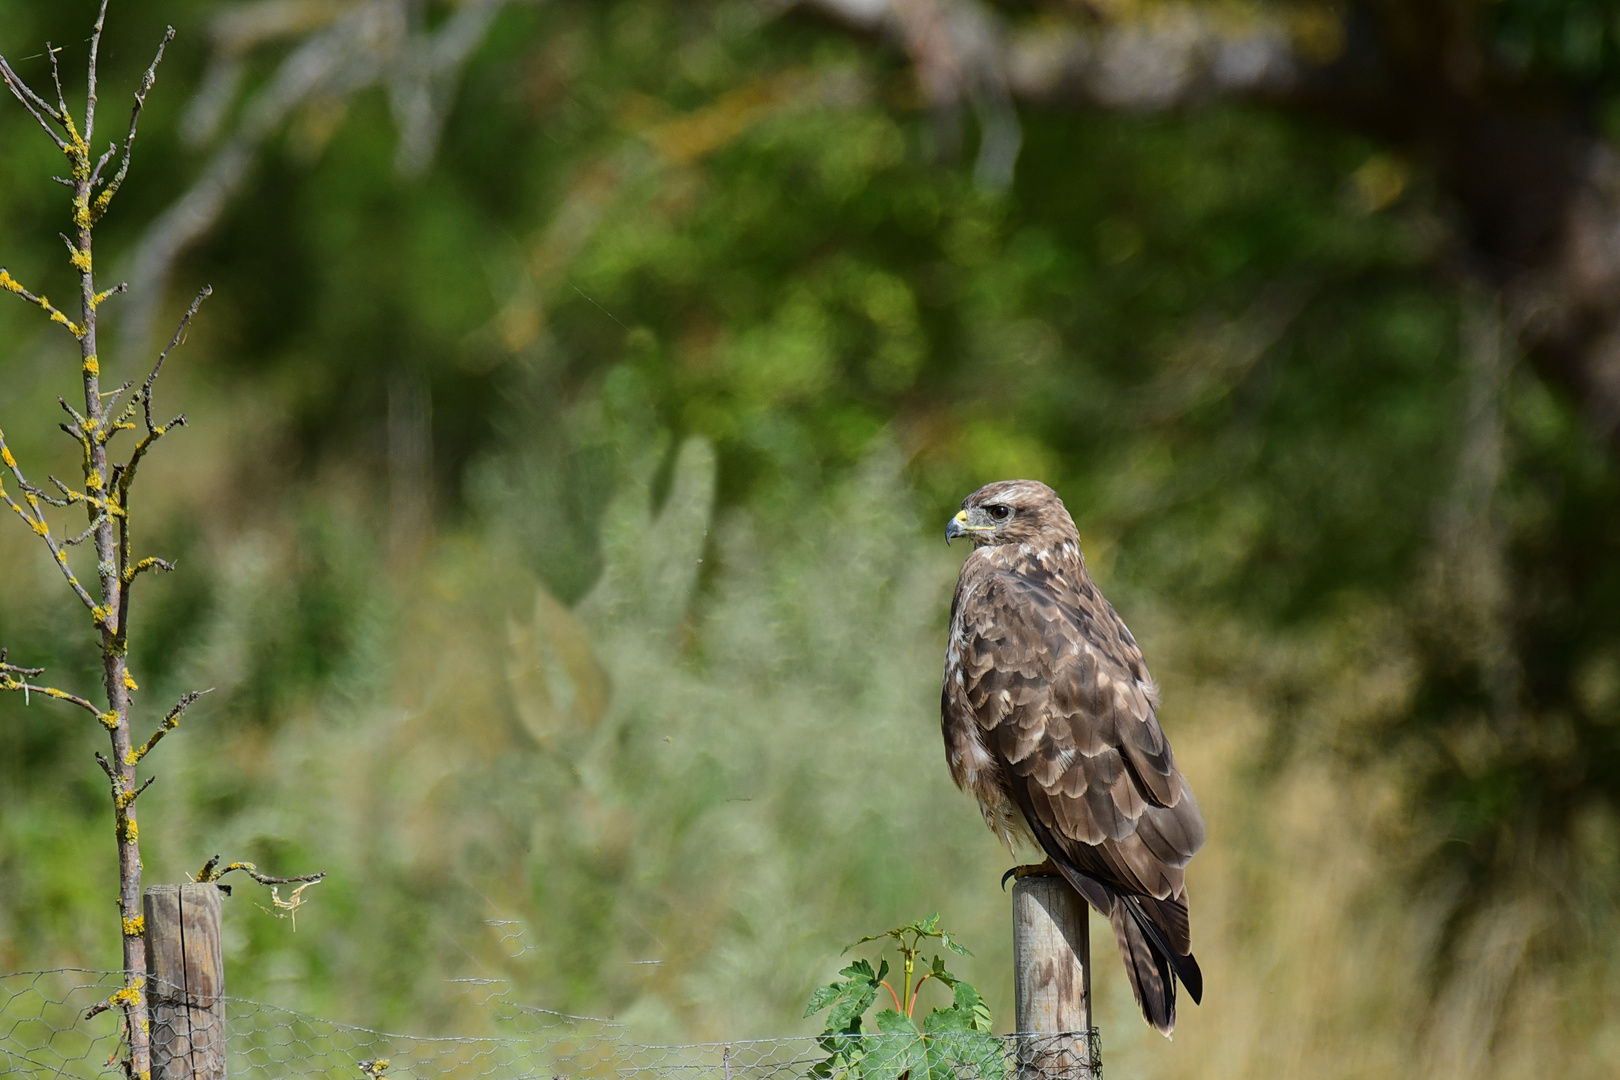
(1012, 512)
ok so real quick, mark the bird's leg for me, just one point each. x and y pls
(1045, 868)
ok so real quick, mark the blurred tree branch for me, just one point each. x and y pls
(339, 50)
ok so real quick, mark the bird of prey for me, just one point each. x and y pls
(1048, 713)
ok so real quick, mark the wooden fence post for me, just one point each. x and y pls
(1051, 979)
(186, 982)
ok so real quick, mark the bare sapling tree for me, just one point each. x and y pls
(104, 499)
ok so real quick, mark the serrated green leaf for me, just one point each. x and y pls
(824, 996)
(941, 1021)
(883, 969)
(851, 1005)
(893, 1022)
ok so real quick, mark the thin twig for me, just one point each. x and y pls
(144, 394)
(30, 672)
(78, 420)
(56, 77)
(88, 532)
(147, 82)
(12, 678)
(35, 519)
(95, 53)
(95, 302)
(101, 163)
(33, 103)
(208, 873)
(170, 722)
(151, 562)
(12, 285)
(124, 799)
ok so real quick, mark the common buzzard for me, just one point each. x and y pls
(1049, 719)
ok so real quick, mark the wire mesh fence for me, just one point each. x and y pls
(44, 1032)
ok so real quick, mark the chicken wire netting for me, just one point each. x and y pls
(44, 1032)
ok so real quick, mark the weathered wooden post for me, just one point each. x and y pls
(186, 990)
(1051, 979)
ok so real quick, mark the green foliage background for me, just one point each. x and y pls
(660, 682)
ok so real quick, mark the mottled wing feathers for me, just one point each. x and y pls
(1056, 685)
(1048, 707)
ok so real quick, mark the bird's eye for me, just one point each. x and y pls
(999, 512)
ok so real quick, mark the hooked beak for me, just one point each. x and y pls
(963, 525)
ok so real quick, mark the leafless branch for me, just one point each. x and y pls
(179, 333)
(16, 678)
(77, 428)
(12, 285)
(89, 531)
(56, 78)
(33, 672)
(151, 562)
(96, 301)
(101, 163)
(95, 57)
(147, 81)
(343, 51)
(33, 102)
(143, 397)
(170, 722)
(124, 799)
(210, 873)
(35, 520)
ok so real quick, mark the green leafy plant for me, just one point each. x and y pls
(949, 1042)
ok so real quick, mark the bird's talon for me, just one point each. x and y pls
(1045, 868)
